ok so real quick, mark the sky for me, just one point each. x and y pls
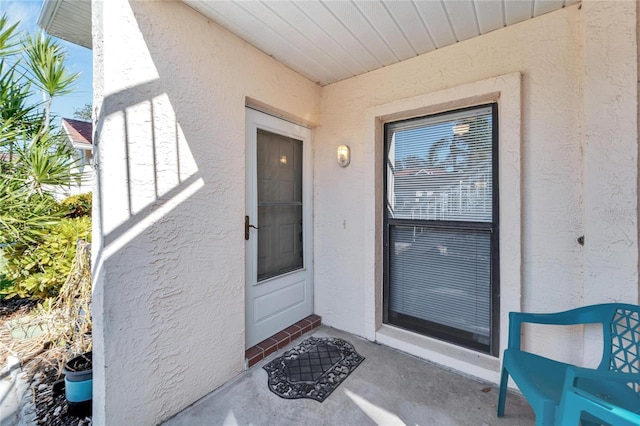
(79, 59)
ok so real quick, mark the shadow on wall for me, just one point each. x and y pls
(171, 205)
(157, 201)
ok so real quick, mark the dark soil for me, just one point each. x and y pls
(9, 306)
(80, 363)
(51, 406)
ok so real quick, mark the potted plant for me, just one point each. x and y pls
(78, 384)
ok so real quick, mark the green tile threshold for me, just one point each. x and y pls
(281, 339)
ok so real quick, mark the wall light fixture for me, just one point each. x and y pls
(344, 155)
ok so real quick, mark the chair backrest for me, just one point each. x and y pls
(622, 340)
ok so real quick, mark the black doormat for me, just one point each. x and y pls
(312, 369)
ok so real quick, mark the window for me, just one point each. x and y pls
(441, 226)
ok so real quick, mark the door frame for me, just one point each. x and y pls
(259, 120)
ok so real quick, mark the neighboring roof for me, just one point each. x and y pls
(80, 132)
(68, 20)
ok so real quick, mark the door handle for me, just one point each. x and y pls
(247, 225)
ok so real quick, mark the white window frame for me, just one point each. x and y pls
(457, 226)
(506, 91)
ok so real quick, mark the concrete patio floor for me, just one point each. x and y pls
(388, 388)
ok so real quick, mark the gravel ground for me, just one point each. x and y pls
(50, 404)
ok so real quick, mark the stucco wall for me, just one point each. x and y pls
(171, 89)
(549, 53)
(610, 156)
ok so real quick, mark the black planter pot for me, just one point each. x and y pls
(78, 384)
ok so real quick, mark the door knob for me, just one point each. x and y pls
(247, 225)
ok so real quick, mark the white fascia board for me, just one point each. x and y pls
(47, 13)
(82, 146)
(60, 19)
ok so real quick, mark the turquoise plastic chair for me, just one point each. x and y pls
(618, 407)
(563, 394)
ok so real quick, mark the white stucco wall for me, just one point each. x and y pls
(610, 157)
(575, 168)
(170, 89)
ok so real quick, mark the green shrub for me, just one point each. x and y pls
(4, 286)
(4, 283)
(77, 205)
(38, 271)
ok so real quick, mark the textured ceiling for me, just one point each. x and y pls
(328, 41)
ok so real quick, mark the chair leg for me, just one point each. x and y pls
(502, 396)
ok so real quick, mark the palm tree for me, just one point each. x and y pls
(44, 60)
(33, 157)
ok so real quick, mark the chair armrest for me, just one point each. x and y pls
(516, 319)
(619, 397)
(574, 373)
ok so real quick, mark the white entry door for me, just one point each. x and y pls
(279, 270)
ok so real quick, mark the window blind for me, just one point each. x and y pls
(439, 215)
(442, 276)
(440, 168)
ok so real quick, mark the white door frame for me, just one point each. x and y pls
(255, 333)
